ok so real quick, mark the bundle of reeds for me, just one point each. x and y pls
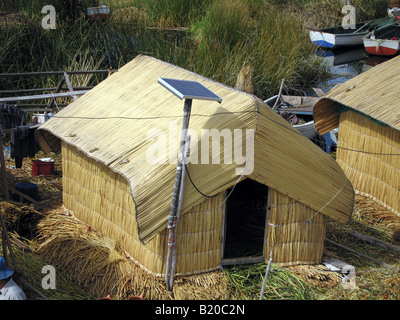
(67, 243)
(19, 219)
(317, 275)
(103, 267)
(28, 274)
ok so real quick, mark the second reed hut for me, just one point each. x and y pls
(280, 204)
(366, 109)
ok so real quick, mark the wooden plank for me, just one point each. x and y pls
(69, 85)
(319, 92)
(223, 231)
(378, 262)
(23, 195)
(242, 260)
(53, 73)
(38, 107)
(375, 242)
(59, 85)
(306, 110)
(44, 89)
(44, 96)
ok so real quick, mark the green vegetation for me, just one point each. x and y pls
(213, 38)
(281, 283)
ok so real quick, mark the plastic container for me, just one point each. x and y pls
(28, 188)
(42, 168)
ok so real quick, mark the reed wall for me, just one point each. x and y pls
(295, 232)
(101, 198)
(369, 154)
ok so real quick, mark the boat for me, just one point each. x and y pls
(297, 110)
(101, 11)
(338, 36)
(384, 41)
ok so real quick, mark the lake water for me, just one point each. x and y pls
(346, 64)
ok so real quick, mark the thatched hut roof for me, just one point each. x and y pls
(373, 93)
(111, 124)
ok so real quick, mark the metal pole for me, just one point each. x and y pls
(44, 96)
(178, 210)
(172, 220)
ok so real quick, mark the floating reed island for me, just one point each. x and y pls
(110, 185)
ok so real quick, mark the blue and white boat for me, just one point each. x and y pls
(338, 36)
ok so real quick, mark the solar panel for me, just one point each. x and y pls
(185, 89)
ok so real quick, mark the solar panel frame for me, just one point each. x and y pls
(185, 89)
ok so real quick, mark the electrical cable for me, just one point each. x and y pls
(197, 189)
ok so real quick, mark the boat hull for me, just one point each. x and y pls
(383, 41)
(102, 12)
(382, 47)
(331, 40)
(307, 129)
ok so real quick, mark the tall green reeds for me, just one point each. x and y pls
(222, 36)
(275, 43)
(27, 47)
(173, 13)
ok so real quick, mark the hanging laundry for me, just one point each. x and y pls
(12, 117)
(23, 144)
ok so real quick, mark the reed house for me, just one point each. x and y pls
(366, 109)
(261, 188)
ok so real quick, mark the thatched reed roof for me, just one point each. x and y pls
(374, 93)
(111, 124)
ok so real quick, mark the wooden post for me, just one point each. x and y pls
(58, 88)
(3, 170)
(69, 85)
(374, 241)
(378, 262)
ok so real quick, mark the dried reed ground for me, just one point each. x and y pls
(74, 250)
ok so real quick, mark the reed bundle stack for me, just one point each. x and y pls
(109, 183)
(101, 265)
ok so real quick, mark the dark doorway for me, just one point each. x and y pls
(245, 214)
